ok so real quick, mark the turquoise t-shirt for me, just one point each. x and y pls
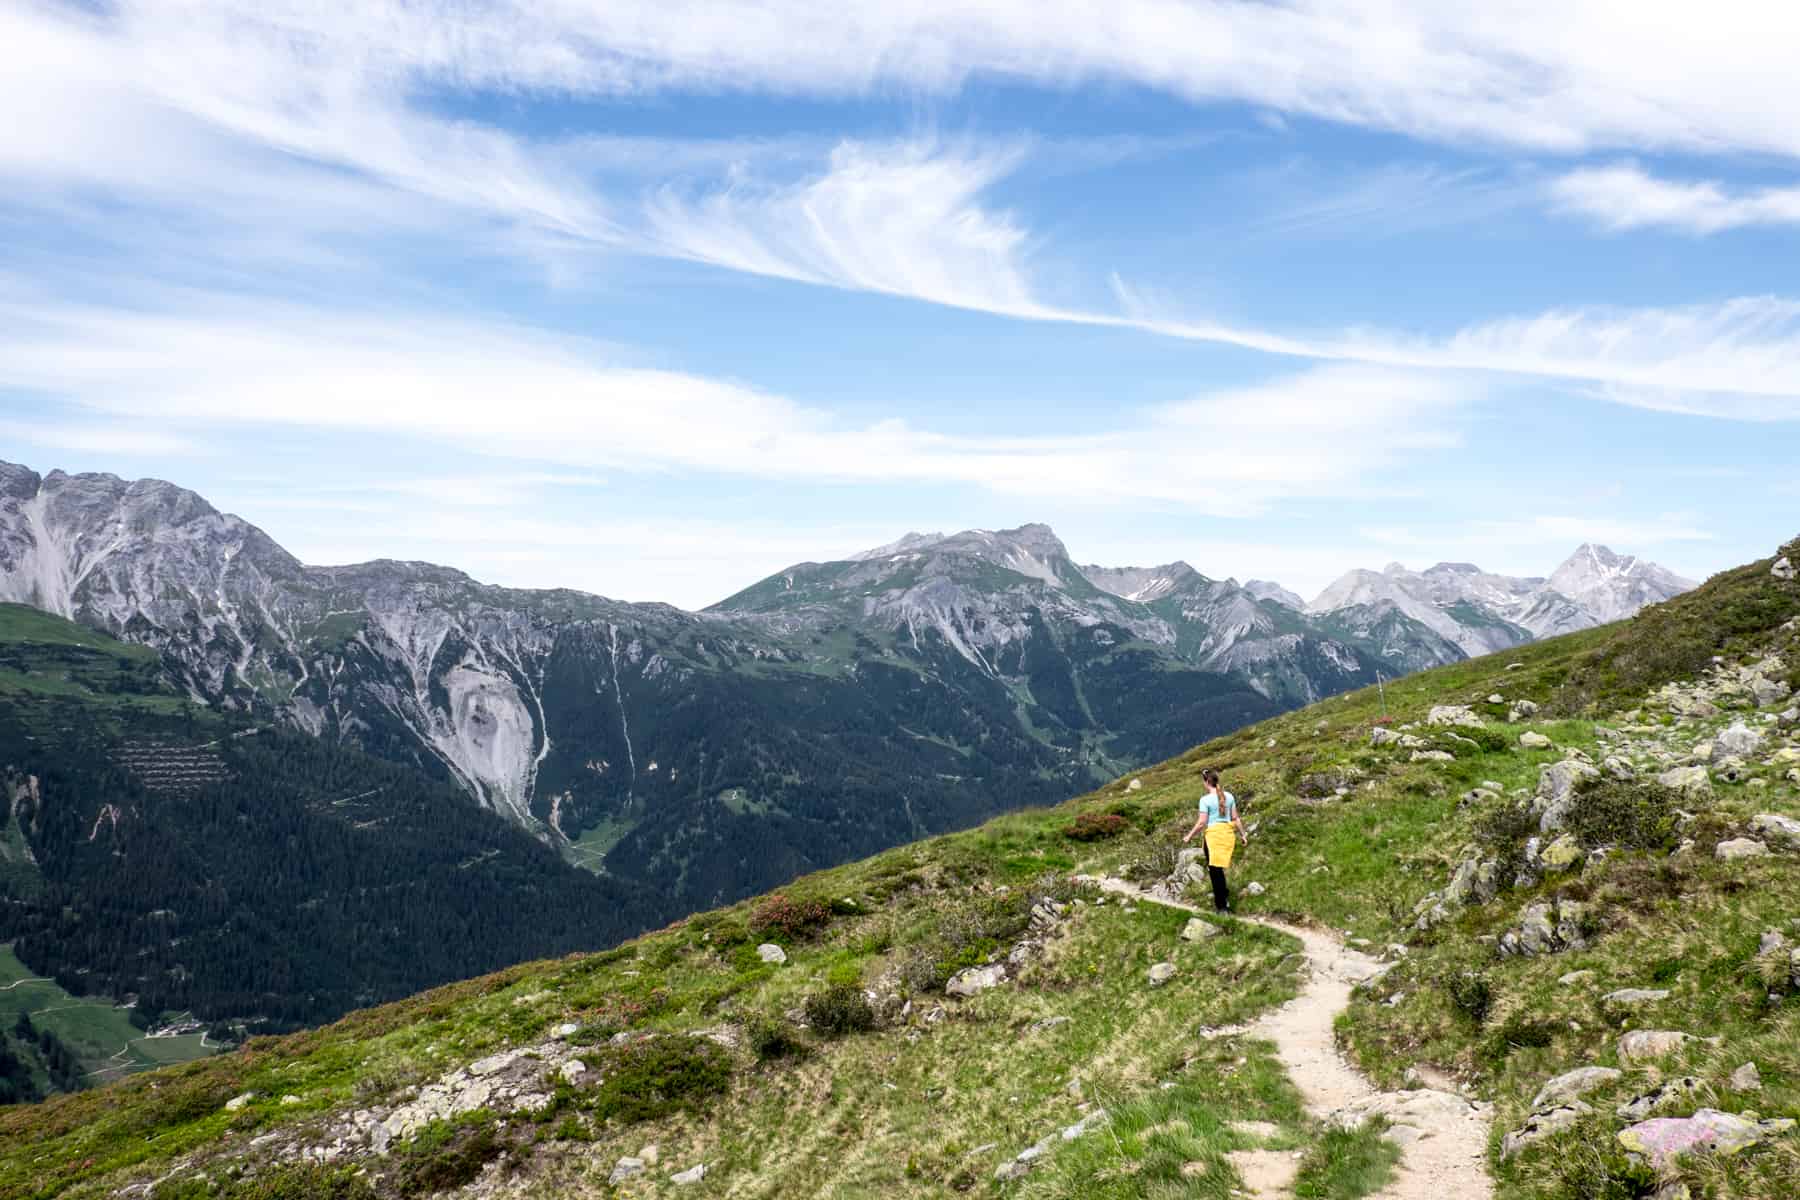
(1209, 804)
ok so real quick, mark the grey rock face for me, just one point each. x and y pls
(1571, 1085)
(973, 980)
(1680, 1090)
(1541, 1124)
(1648, 1045)
(1557, 784)
(1776, 829)
(1740, 848)
(1739, 740)
(1692, 780)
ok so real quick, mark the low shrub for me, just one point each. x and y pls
(1158, 864)
(658, 1076)
(773, 1037)
(1517, 1032)
(840, 1009)
(444, 1156)
(968, 934)
(1472, 994)
(291, 1182)
(1636, 815)
(782, 916)
(1096, 826)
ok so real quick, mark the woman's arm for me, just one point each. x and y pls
(1198, 826)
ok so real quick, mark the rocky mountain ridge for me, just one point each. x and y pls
(989, 668)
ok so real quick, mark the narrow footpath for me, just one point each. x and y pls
(1443, 1136)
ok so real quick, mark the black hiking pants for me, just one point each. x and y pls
(1221, 896)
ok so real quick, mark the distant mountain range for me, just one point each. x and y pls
(827, 711)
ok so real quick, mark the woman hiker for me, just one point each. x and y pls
(1218, 818)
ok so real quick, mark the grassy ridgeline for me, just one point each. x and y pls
(936, 1096)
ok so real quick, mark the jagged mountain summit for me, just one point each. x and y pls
(1479, 612)
(826, 711)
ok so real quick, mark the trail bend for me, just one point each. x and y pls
(1443, 1137)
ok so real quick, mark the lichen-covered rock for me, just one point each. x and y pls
(1557, 784)
(1648, 1045)
(1746, 1079)
(1679, 1090)
(1564, 853)
(769, 952)
(1693, 780)
(1432, 756)
(1541, 1124)
(971, 981)
(1775, 828)
(1454, 714)
(1571, 1085)
(1740, 848)
(1160, 973)
(1197, 930)
(1664, 1140)
(1628, 1000)
(1531, 739)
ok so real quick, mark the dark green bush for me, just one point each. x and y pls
(1472, 994)
(839, 1010)
(1637, 815)
(446, 1156)
(643, 1080)
(1518, 1031)
(774, 1037)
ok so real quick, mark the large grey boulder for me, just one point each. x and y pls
(1626, 1001)
(1679, 1090)
(1557, 784)
(1453, 714)
(1541, 1124)
(1648, 1045)
(1740, 848)
(1739, 741)
(1664, 1140)
(971, 981)
(1531, 739)
(1773, 827)
(1692, 780)
(1571, 1085)
(769, 952)
(1783, 569)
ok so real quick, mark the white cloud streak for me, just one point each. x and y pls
(1543, 74)
(307, 117)
(524, 396)
(1625, 196)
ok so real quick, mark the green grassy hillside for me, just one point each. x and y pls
(844, 1068)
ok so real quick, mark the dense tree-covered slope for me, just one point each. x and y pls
(1536, 917)
(157, 852)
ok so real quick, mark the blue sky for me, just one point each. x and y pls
(655, 298)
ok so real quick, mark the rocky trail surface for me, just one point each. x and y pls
(1443, 1136)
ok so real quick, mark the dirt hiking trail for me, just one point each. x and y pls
(1443, 1137)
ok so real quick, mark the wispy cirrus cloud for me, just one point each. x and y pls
(1543, 74)
(525, 396)
(1625, 196)
(302, 124)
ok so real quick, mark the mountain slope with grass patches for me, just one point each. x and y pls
(963, 1016)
